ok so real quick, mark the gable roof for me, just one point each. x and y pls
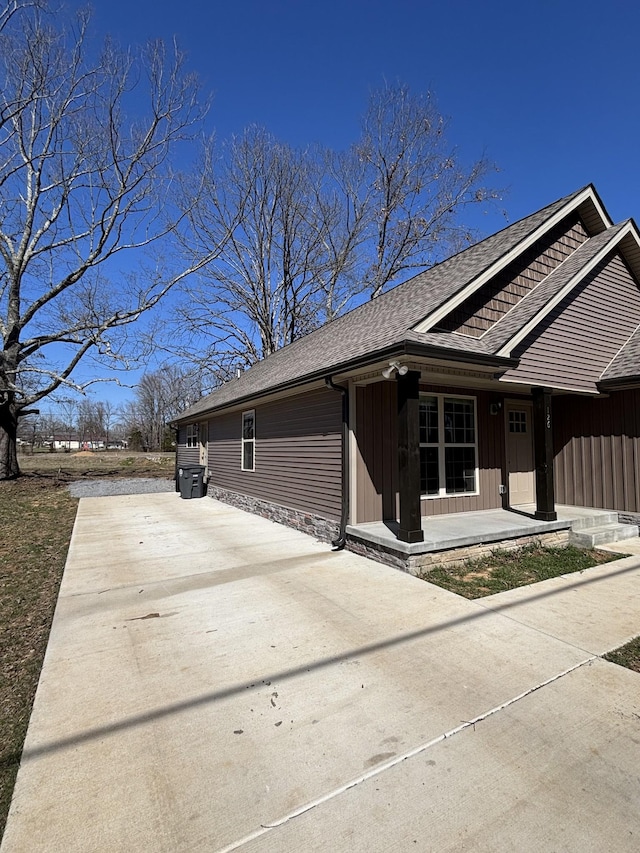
(625, 366)
(528, 312)
(401, 320)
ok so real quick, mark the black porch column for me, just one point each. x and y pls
(543, 451)
(409, 457)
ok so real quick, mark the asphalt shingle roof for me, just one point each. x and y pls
(626, 364)
(383, 322)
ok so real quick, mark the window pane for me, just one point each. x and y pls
(459, 427)
(247, 456)
(517, 421)
(429, 420)
(192, 435)
(429, 482)
(460, 469)
(247, 425)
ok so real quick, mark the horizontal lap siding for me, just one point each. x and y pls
(578, 339)
(297, 453)
(377, 470)
(186, 455)
(597, 451)
(484, 308)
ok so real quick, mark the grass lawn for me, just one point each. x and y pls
(628, 655)
(504, 570)
(36, 520)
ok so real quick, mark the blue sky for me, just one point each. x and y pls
(547, 90)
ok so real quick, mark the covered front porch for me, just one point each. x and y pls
(423, 451)
(459, 536)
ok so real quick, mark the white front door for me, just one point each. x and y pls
(520, 470)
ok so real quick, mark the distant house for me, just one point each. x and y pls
(71, 441)
(506, 376)
(64, 441)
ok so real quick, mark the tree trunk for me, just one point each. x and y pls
(9, 468)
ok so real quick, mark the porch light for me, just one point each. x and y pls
(395, 365)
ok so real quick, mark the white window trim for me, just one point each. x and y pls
(192, 438)
(244, 440)
(441, 445)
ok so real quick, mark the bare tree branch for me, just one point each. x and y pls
(306, 233)
(80, 184)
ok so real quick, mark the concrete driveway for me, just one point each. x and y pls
(215, 681)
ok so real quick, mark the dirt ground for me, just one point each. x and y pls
(86, 464)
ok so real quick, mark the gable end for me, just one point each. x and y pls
(493, 300)
(575, 342)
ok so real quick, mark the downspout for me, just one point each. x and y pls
(340, 542)
(176, 478)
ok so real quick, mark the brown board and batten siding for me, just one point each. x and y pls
(298, 444)
(492, 301)
(376, 466)
(186, 455)
(574, 344)
(377, 449)
(597, 451)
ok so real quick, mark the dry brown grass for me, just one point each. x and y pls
(36, 519)
(88, 465)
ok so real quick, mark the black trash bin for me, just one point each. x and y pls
(191, 480)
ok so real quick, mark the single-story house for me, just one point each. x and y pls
(504, 378)
(64, 441)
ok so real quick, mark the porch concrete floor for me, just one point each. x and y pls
(460, 529)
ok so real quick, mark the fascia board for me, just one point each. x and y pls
(628, 229)
(400, 349)
(564, 389)
(440, 313)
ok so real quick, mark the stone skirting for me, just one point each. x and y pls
(416, 564)
(629, 518)
(322, 528)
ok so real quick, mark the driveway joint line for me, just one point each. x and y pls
(265, 828)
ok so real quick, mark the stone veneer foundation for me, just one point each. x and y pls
(417, 564)
(327, 531)
(322, 528)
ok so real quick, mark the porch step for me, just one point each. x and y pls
(599, 518)
(602, 534)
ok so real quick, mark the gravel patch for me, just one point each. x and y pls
(124, 486)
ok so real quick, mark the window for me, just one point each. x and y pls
(517, 421)
(248, 441)
(192, 435)
(447, 445)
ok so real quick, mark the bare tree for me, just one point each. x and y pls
(161, 396)
(284, 246)
(416, 188)
(80, 184)
(305, 233)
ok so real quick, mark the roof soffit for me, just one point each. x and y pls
(586, 203)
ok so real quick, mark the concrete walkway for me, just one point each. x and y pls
(215, 681)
